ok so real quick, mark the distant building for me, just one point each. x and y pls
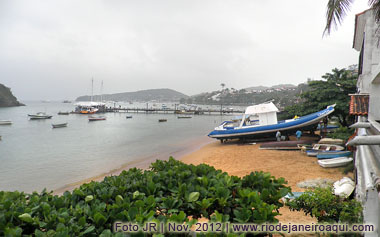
(365, 105)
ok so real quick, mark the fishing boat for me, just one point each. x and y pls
(332, 154)
(337, 162)
(317, 148)
(5, 122)
(261, 121)
(91, 118)
(39, 115)
(63, 113)
(128, 116)
(286, 145)
(184, 117)
(162, 120)
(59, 125)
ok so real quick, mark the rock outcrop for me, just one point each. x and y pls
(7, 99)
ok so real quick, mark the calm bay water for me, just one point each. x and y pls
(34, 156)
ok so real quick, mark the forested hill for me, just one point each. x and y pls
(161, 95)
(7, 99)
(282, 95)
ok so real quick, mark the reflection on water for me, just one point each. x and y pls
(34, 156)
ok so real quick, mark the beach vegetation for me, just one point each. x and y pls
(322, 204)
(343, 133)
(333, 89)
(170, 191)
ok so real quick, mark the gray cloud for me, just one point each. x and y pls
(51, 49)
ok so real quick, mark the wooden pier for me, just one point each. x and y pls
(171, 111)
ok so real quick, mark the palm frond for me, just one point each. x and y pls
(375, 4)
(336, 11)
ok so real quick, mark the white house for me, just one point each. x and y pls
(365, 105)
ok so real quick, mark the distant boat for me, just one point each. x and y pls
(323, 148)
(286, 145)
(267, 124)
(162, 120)
(63, 113)
(184, 117)
(128, 116)
(39, 115)
(96, 118)
(5, 122)
(337, 162)
(332, 154)
(66, 101)
(59, 125)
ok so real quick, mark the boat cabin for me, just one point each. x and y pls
(266, 114)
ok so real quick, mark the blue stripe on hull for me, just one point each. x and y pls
(303, 123)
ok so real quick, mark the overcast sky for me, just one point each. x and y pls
(51, 49)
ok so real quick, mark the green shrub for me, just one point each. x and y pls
(341, 133)
(170, 191)
(327, 207)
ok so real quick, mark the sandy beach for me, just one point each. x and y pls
(242, 159)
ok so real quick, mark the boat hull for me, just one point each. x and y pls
(285, 145)
(62, 125)
(305, 123)
(337, 162)
(332, 155)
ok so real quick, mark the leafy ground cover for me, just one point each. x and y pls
(170, 191)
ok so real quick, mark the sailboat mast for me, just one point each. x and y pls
(101, 92)
(92, 88)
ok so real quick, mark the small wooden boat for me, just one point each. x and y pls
(286, 145)
(96, 118)
(59, 125)
(162, 120)
(5, 122)
(323, 147)
(332, 154)
(331, 141)
(184, 117)
(39, 115)
(63, 113)
(337, 162)
(128, 116)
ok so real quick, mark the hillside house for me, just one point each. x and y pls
(365, 105)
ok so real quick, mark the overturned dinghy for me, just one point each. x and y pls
(266, 125)
(344, 187)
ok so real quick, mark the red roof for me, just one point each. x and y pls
(359, 104)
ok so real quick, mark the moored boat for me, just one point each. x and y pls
(286, 145)
(162, 120)
(337, 162)
(39, 115)
(5, 122)
(59, 125)
(128, 116)
(332, 154)
(184, 117)
(63, 113)
(91, 118)
(266, 125)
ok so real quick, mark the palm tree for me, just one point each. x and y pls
(337, 10)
